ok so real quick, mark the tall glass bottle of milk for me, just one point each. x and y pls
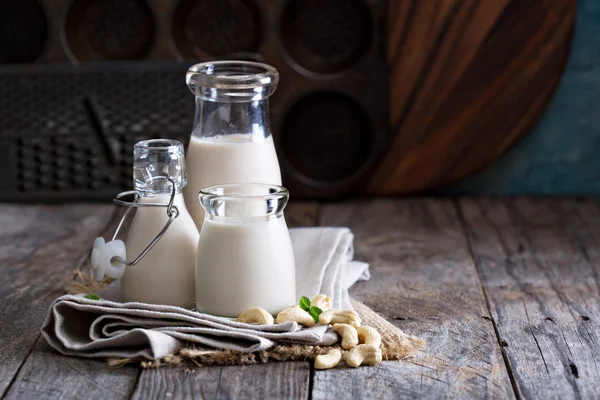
(231, 139)
(166, 274)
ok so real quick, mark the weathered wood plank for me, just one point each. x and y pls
(48, 375)
(540, 263)
(424, 281)
(286, 380)
(301, 213)
(274, 380)
(39, 247)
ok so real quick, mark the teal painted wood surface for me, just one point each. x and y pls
(562, 153)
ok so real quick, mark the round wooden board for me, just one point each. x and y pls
(468, 78)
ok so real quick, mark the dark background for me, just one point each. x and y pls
(81, 81)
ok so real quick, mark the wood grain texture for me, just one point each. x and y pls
(467, 79)
(423, 281)
(285, 380)
(548, 161)
(48, 375)
(52, 241)
(39, 247)
(540, 264)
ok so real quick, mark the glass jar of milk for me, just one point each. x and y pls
(245, 257)
(162, 238)
(231, 140)
(163, 275)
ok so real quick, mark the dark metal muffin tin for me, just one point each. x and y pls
(82, 80)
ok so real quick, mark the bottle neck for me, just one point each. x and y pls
(215, 118)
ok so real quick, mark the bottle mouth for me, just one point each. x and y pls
(233, 81)
(244, 200)
(160, 144)
(157, 165)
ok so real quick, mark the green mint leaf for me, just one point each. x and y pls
(92, 297)
(304, 303)
(314, 312)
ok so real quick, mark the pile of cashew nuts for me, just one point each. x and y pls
(363, 343)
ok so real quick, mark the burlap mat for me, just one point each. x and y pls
(395, 344)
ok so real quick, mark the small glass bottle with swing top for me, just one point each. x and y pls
(164, 243)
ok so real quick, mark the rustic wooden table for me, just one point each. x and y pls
(505, 291)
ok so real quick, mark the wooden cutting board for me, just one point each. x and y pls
(468, 78)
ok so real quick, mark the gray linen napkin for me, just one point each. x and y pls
(108, 328)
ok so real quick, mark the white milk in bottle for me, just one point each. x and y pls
(166, 274)
(231, 141)
(245, 257)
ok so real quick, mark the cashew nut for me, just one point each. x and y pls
(322, 301)
(368, 335)
(329, 360)
(335, 316)
(363, 354)
(295, 314)
(256, 315)
(348, 334)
